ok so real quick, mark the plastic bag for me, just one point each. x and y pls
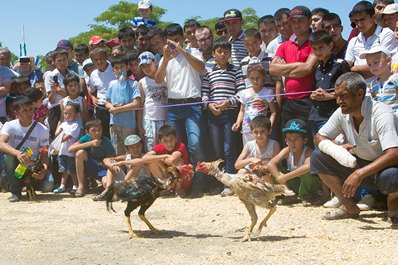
(55, 145)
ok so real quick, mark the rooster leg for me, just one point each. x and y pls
(131, 232)
(130, 207)
(264, 222)
(141, 214)
(251, 208)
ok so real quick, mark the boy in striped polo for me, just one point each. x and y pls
(220, 85)
(233, 22)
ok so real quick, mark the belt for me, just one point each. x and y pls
(183, 100)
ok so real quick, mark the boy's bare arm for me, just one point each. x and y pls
(304, 169)
(161, 72)
(274, 163)
(174, 158)
(108, 160)
(243, 159)
(128, 107)
(80, 146)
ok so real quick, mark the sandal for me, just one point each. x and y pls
(72, 191)
(306, 203)
(339, 214)
(227, 192)
(99, 197)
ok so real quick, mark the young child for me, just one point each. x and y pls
(256, 100)
(219, 85)
(54, 84)
(382, 87)
(252, 41)
(145, 11)
(260, 150)
(168, 152)
(70, 130)
(91, 150)
(131, 161)
(297, 156)
(326, 74)
(153, 101)
(37, 97)
(72, 87)
(122, 97)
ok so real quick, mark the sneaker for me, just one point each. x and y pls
(14, 198)
(99, 197)
(59, 190)
(366, 203)
(332, 203)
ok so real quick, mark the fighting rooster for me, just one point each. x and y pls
(251, 189)
(143, 191)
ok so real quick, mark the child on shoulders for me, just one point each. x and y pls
(145, 11)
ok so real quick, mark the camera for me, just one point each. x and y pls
(172, 46)
(55, 79)
(24, 60)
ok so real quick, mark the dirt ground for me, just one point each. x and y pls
(65, 230)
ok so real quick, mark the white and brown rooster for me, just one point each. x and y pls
(251, 189)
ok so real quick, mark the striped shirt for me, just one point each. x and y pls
(265, 60)
(385, 92)
(238, 50)
(222, 84)
(135, 22)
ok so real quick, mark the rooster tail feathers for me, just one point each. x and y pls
(283, 190)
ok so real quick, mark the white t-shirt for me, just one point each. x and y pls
(273, 45)
(99, 81)
(69, 128)
(181, 79)
(15, 132)
(155, 99)
(377, 132)
(47, 85)
(359, 44)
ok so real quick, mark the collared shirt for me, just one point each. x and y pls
(385, 91)
(326, 76)
(292, 53)
(265, 60)
(357, 45)
(221, 84)
(377, 132)
(238, 50)
(274, 45)
(182, 80)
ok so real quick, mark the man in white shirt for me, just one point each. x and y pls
(181, 68)
(370, 157)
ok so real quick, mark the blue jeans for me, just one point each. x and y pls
(47, 184)
(223, 138)
(315, 126)
(186, 119)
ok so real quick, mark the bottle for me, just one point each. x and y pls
(122, 79)
(21, 169)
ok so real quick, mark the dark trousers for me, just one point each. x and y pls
(54, 114)
(102, 113)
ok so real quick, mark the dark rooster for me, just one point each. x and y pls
(251, 189)
(143, 191)
(35, 166)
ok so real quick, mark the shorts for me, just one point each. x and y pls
(385, 181)
(118, 135)
(94, 169)
(66, 164)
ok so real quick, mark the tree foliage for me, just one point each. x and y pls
(116, 16)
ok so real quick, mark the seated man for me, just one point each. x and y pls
(370, 157)
(18, 135)
(91, 150)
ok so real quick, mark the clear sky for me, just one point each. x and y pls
(48, 21)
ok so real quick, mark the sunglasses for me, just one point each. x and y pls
(222, 32)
